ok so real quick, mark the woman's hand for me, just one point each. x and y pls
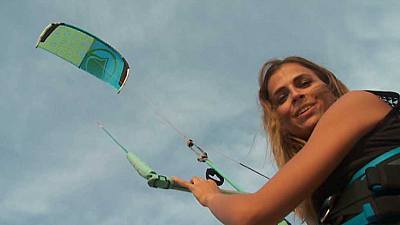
(201, 188)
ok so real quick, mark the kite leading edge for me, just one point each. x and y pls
(85, 51)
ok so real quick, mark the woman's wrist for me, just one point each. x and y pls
(210, 199)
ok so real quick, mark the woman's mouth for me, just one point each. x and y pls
(304, 111)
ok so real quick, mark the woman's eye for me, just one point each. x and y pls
(305, 83)
(281, 98)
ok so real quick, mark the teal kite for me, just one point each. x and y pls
(85, 51)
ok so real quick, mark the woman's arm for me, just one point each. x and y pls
(342, 125)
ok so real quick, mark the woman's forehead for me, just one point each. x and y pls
(286, 74)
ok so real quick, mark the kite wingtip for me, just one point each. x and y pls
(125, 76)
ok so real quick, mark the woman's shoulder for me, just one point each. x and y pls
(390, 97)
(359, 94)
(365, 99)
(355, 113)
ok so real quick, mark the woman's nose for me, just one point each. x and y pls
(297, 95)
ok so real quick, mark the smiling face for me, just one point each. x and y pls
(299, 97)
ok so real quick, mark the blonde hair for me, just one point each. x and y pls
(285, 146)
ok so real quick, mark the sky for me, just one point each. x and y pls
(193, 62)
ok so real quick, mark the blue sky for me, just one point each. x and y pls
(197, 62)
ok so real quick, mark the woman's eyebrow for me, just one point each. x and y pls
(300, 76)
(295, 79)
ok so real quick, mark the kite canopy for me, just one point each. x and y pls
(85, 51)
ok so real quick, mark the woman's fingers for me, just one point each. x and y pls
(201, 188)
(196, 180)
(181, 182)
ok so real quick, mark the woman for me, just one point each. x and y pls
(321, 134)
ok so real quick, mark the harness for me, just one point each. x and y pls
(371, 197)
